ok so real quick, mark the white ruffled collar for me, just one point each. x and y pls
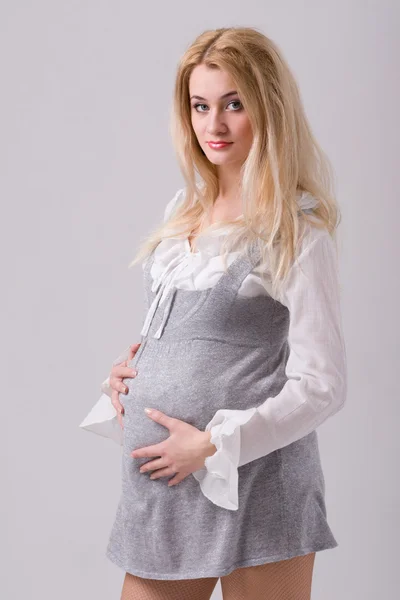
(174, 258)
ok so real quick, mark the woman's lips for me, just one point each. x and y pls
(219, 145)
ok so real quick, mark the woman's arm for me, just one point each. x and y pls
(316, 370)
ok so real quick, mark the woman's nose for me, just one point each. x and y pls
(215, 124)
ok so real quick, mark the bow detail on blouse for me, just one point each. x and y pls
(163, 283)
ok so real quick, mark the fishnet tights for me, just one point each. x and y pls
(284, 580)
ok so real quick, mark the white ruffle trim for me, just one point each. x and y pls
(106, 387)
(102, 419)
(219, 477)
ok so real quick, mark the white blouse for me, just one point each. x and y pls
(316, 366)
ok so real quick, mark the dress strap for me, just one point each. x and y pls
(229, 283)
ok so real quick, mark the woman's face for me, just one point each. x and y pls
(219, 118)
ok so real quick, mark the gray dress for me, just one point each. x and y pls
(215, 349)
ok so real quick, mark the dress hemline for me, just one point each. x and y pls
(252, 562)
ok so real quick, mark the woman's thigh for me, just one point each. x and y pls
(283, 580)
(137, 588)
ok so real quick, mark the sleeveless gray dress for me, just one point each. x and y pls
(214, 349)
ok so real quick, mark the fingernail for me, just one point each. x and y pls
(133, 372)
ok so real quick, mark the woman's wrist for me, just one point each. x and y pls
(210, 448)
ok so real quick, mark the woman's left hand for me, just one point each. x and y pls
(182, 453)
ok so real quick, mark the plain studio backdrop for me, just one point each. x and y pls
(87, 167)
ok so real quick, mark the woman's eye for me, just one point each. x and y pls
(236, 102)
(232, 102)
(196, 105)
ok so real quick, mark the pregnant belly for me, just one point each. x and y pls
(190, 381)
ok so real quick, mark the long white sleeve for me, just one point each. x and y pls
(316, 370)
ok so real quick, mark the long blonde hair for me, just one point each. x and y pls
(284, 160)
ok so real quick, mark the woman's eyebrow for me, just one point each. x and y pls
(222, 97)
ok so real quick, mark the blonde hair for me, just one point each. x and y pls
(284, 160)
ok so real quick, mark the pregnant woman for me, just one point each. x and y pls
(241, 355)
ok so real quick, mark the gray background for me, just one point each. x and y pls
(87, 168)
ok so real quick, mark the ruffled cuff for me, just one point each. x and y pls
(102, 419)
(219, 477)
(106, 388)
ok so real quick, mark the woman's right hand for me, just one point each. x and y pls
(117, 374)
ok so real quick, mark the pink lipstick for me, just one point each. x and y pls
(219, 145)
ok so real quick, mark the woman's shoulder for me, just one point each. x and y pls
(313, 232)
(316, 240)
(174, 202)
